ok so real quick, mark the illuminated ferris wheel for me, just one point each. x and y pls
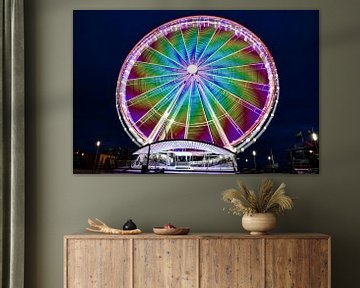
(199, 78)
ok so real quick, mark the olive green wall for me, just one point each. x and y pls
(59, 202)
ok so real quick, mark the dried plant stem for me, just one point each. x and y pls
(99, 226)
(245, 201)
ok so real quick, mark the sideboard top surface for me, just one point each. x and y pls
(86, 235)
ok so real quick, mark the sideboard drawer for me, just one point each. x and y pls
(165, 263)
(231, 263)
(98, 263)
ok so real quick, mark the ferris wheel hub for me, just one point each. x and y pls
(192, 69)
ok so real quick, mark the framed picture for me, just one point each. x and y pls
(209, 92)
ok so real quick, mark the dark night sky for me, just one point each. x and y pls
(103, 39)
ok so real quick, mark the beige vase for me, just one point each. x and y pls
(259, 223)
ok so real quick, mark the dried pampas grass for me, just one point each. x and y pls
(267, 200)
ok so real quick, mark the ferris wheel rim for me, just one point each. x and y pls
(257, 129)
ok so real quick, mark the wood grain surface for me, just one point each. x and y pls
(98, 263)
(165, 263)
(287, 263)
(197, 261)
(231, 263)
(319, 263)
(88, 235)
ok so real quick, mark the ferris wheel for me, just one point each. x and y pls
(200, 78)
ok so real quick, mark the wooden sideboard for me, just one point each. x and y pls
(197, 260)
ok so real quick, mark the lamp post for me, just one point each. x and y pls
(270, 163)
(254, 155)
(98, 143)
(315, 138)
(147, 160)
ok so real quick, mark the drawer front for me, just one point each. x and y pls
(98, 263)
(320, 263)
(167, 263)
(297, 263)
(231, 263)
(287, 263)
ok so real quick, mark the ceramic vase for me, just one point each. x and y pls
(259, 223)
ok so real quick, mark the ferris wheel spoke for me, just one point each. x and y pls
(236, 58)
(204, 35)
(176, 39)
(206, 46)
(215, 118)
(253, 67)
(219, 39)
(196, 109)
(252, 77)
(152, 92)
(164, 45)
(237, 98)
(190, 37)
(207, 113)
(181, 110)
(256, 85)
(186, 48)
(139, 85)
(214, 53)
(240, 113)
(239, 87)
(141, 69)
(178, 114)
(198, 124)
(226, 108)
(150, 55)
(163, 58)
(157, 104)
(130, 80)
(175, 113)
(234, 44)
(183, 61)
(152, 73)
(155, 132)
(142, 111)
(196, 44)
(188, 112)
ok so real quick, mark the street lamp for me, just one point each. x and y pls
(315, 138)
(98, 143)
(254, 155)
(270, 163)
